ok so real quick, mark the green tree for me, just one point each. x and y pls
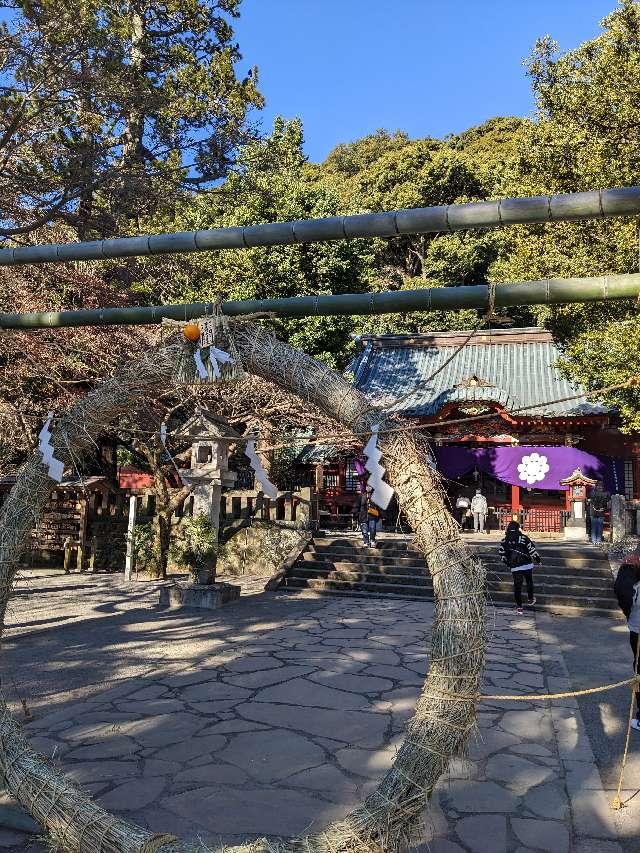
(272, 182)
(585, 136)
(108, 110)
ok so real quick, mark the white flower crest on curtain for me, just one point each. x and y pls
(533, 468)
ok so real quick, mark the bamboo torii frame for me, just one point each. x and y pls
(390, 816)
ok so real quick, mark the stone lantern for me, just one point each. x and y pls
(210, 438)
(576, 526)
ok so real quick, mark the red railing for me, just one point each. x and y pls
(543, 520)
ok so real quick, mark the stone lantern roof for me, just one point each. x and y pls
(204, 425)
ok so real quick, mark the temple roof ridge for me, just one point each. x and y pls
(514, 368)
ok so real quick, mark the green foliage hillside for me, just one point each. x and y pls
(143, 128)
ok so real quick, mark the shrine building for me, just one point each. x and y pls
(527, 436)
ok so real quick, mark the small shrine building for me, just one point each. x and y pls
(532, 427)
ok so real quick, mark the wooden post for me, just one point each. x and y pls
(68, 547)
(130, 561)
(82, 533)
(92, 553)
(515, 500)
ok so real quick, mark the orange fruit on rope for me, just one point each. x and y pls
(191, 332)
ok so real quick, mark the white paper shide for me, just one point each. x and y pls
(382, 492)
(54, 466)
(261, 477)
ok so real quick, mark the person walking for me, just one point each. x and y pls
(462, 505)
(518, 552)
(479, 509)
(368, 515)
(627, 590)
(598, 503)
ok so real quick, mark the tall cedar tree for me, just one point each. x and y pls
(109, 110)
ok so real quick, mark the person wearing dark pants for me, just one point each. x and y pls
(368, 515)
(518, 552)
(519, 577)
(598, 504)
(627, 590)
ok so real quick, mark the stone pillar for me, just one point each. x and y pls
(207, 496)
(82, 534)
(130, 562)
(618, 518)
(303, 508)
(214, 509)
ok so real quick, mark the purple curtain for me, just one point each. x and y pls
(531, 467)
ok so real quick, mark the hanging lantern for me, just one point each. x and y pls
(191, 332)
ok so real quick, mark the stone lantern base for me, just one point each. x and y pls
(575, 530)
(203, 597)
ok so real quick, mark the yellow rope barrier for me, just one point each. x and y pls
(616, 803)
(534, 697)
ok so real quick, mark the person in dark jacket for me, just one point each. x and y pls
(518, 552)
(598, 504)
(627, 590)
(368, 515)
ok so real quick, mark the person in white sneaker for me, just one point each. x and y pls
(518, 552)
(627, 590)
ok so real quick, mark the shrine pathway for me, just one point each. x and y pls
(278, 713)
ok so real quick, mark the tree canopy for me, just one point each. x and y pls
(585, 135)
(107, 110)
(132, 117)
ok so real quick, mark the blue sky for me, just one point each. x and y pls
(429, 67)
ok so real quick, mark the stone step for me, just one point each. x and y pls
(369, 561)
(547, 584)
(555, 569)
(582, 603)
(320, 561)
(569, 581)
(347, 573)
(575, 579)
(567, 558)
(413, 590)
(360, 553)
(542, 579)
(372, 556)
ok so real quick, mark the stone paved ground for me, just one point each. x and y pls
(278, 713)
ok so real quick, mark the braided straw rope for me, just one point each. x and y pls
(389, 818)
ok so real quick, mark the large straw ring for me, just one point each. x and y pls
(391, 816)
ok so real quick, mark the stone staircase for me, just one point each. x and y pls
(571, 576)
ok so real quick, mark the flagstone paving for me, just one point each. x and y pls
(279, 713)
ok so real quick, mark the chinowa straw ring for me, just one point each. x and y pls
(389, 818)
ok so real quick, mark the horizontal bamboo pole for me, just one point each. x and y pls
(547, 292)
(624, 201)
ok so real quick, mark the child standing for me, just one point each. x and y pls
(518, 552)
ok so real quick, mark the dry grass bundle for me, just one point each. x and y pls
(389, 817)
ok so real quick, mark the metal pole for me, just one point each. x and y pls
(547, 292)
(596, 204)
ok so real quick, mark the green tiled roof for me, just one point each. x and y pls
(514, 368)
(316, 453)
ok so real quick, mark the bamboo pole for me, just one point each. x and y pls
(479, 296)
(596, 204)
